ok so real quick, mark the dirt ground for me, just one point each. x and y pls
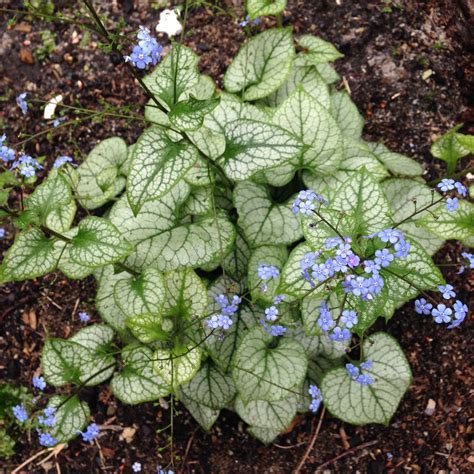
(407, 66)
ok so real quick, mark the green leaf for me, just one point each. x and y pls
(291, 281)
(327, 72)
(99, 178)
(265, 435)
(137, 383)
(451, 147)
(405, 197)
(261, 65)
(256, 8)
(362, 197)
(158, 164)
(145, 293)
(175, 76)
(31, 255)
(265, 255)
(222, 350)
(309, 79)
(69, 419)
(189, 114)
(63, 362)
(262, 221)
(275, 415)
(97, 243)
(210, 387)
(199, 202)
(210, 143)
(205, 416)
(458, 225)
(7, 444)
(346, 114)
(236, 261)
(264, 372)
(253, 145)
(147, 328)
(395, 162)
(359, 404)
(316, 50)
(70, 268)
(52, 202)
(312, 124)
(96, 339)
(163, 242)
(105, 301)
(177, 368)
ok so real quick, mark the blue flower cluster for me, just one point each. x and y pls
(223, 319)
(39, 383)
(91, 433)
(47, 419)
(446, 185)
(20, 413)
(356, 373)
(316, 398)
(265, 272)
(62, 160)
(6, 154)
(347, 319)
(271, 315)
(147, 51)
(247, 21)
(84, 316)
(306, 201)
(21, 102)
(442, 314)
(470, 258)
(27, 166)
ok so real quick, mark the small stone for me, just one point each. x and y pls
(69, 58)
(430, 407)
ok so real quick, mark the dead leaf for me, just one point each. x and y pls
(26, 56)
(128, 433)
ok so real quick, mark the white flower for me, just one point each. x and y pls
(51, 107)
(169, 23)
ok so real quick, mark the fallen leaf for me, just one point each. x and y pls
(26, 56)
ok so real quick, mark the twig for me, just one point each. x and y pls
(31, 458)
(346, 453)
(188, 446)
(311, 444)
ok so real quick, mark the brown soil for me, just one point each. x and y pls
(386, 54)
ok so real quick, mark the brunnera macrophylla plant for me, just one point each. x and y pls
(243, 247)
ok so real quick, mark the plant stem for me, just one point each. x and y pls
(419, 211)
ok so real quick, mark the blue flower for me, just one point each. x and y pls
(332, 242)
(402, 248)
(422, 307)
(273, 330)
(371, 267)
(220, 321)
(446, 185)
(325, 321)
(271, 313)
(91, 433)
(136, 467)
(352, 260)
(2, 232)
(447, 291)
(314, 405)
(442, 314)
(469, 257)
(352, 370)
(45, 439)
(26, 165)
(367, 365)
(339, 334)
(304, 203)
(57, 121)
(39, 383)
(349, 318)
(265, 272)
(278, 299)
(21, 102)
(139, 57)
(461, 189)
(460, 313)
(84, 316)
(308, 260)
(48, 418)
(316, 396)
(6, 154)
(390, 236)
(383, 257)
(62, 160)
(20, 413)
(246, 22)
(452, 204)
(365, 379)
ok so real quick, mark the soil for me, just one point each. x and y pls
(407, 67)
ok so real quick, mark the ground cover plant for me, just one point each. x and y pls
(242, 246)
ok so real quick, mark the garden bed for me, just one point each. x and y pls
(407, 70)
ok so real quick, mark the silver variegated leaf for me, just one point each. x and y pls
(263, 372)
(71, 417)
(362, 404)
(261, 65)
(346, 114)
